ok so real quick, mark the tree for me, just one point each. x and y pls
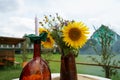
(107, 57)
(24, 50)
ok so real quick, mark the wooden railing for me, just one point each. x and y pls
(91, 64)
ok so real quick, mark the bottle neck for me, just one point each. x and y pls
(37, 48)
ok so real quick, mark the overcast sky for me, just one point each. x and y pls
(17, 16)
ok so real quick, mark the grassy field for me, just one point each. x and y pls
(8, 73)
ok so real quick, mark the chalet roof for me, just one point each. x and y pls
(10, 40)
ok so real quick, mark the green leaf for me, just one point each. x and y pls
(41, 37)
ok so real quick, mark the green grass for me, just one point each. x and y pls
(8, 73)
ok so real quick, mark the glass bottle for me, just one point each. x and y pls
(37, 68)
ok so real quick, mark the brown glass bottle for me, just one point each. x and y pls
(37, 68)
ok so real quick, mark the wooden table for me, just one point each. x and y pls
(56, 76)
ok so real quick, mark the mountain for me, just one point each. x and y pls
(116, 47)
(88, 49)
(110, 32)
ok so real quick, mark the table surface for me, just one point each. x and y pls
(54, 75)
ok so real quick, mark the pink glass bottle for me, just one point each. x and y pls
(37, 68)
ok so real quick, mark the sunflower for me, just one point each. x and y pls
(49, 41)
(42, 30)
(75, 34)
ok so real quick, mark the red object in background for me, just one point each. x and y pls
(37, 68)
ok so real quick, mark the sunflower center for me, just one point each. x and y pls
(74, 34)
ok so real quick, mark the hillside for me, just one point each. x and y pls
(88, 49)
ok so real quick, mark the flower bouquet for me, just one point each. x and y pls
(69, 36)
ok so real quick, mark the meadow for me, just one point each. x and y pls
(8, 73)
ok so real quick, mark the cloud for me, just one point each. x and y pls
(18, 15)
(17, 26)
(8, 5)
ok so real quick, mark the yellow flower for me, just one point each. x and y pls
(74, 34)
(49, 41)
(42, 30)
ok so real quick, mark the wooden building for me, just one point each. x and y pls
(7, 55)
